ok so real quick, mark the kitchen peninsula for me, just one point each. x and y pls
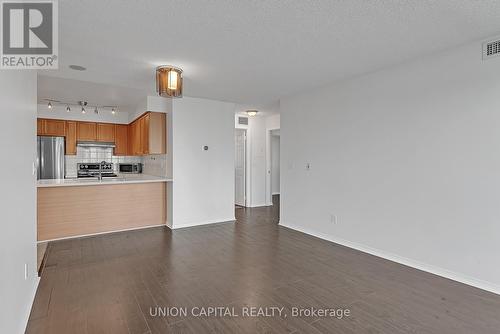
(76, 207)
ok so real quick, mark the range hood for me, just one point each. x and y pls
(95, 144)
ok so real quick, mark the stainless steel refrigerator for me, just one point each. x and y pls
(50, 157)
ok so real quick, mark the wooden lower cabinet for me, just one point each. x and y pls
(79, 210)
(71, 137)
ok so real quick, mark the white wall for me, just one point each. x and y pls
(17, 198)
(151, 103)
(408, 158)
(275, 164)
(203, 186)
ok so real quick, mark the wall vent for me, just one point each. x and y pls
(243, 120)
(491, 49)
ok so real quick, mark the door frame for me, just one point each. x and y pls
(269, 189)
(245, 167)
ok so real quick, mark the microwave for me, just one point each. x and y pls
(135, 168)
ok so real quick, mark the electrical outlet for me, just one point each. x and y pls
(25, 271)
(333, 219)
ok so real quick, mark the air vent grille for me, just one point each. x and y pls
(243, 120)
(491, 49)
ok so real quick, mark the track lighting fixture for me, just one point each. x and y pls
(96, 111)
(49, 105)
(68, 109)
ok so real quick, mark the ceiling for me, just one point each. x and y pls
(255, 52)
(69, 91)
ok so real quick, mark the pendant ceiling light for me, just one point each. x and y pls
(169, 81)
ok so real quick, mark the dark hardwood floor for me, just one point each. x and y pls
(108, 283)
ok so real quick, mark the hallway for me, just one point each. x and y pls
(108, 283)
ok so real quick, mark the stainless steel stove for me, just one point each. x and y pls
(92, 169)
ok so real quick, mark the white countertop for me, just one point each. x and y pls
(121, 179)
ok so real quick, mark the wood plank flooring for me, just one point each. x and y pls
(107, 284)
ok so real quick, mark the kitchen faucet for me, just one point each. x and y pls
(100, 170)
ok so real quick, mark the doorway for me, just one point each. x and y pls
(240, 138)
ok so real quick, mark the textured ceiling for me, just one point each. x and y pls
(255, 52)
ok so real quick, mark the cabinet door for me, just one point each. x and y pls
(86, 131)
(71, 137)
(157, 133)
(137, 145)
(40, 126)
(144, 125)
(105, 132)
(54, 127)
(121, 139)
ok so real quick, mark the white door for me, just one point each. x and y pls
(239, 167)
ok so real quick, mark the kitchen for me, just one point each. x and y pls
(97, 176)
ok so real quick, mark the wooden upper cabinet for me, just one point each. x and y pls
(144, 125)
(40, 126)
(147, 134)
(86, 131)
(136, 137)
(121, 139)
(105, 132)
(51, 127)
(71, 137)
(157, 133)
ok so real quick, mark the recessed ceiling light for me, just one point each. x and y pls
(77, 67)
(251, 112)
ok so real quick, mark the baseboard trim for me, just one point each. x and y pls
(30, 306)
(477, 283)
(99, 233)
(204, 223)
(259, 205)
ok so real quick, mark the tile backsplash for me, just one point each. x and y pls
(155, 165)
(98, 154)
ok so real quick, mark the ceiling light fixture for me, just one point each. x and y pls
(49, 105)
(68, 109)
(96, 111)
(169, 81)
(113, 111)
(83, 104)
(252, 113)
